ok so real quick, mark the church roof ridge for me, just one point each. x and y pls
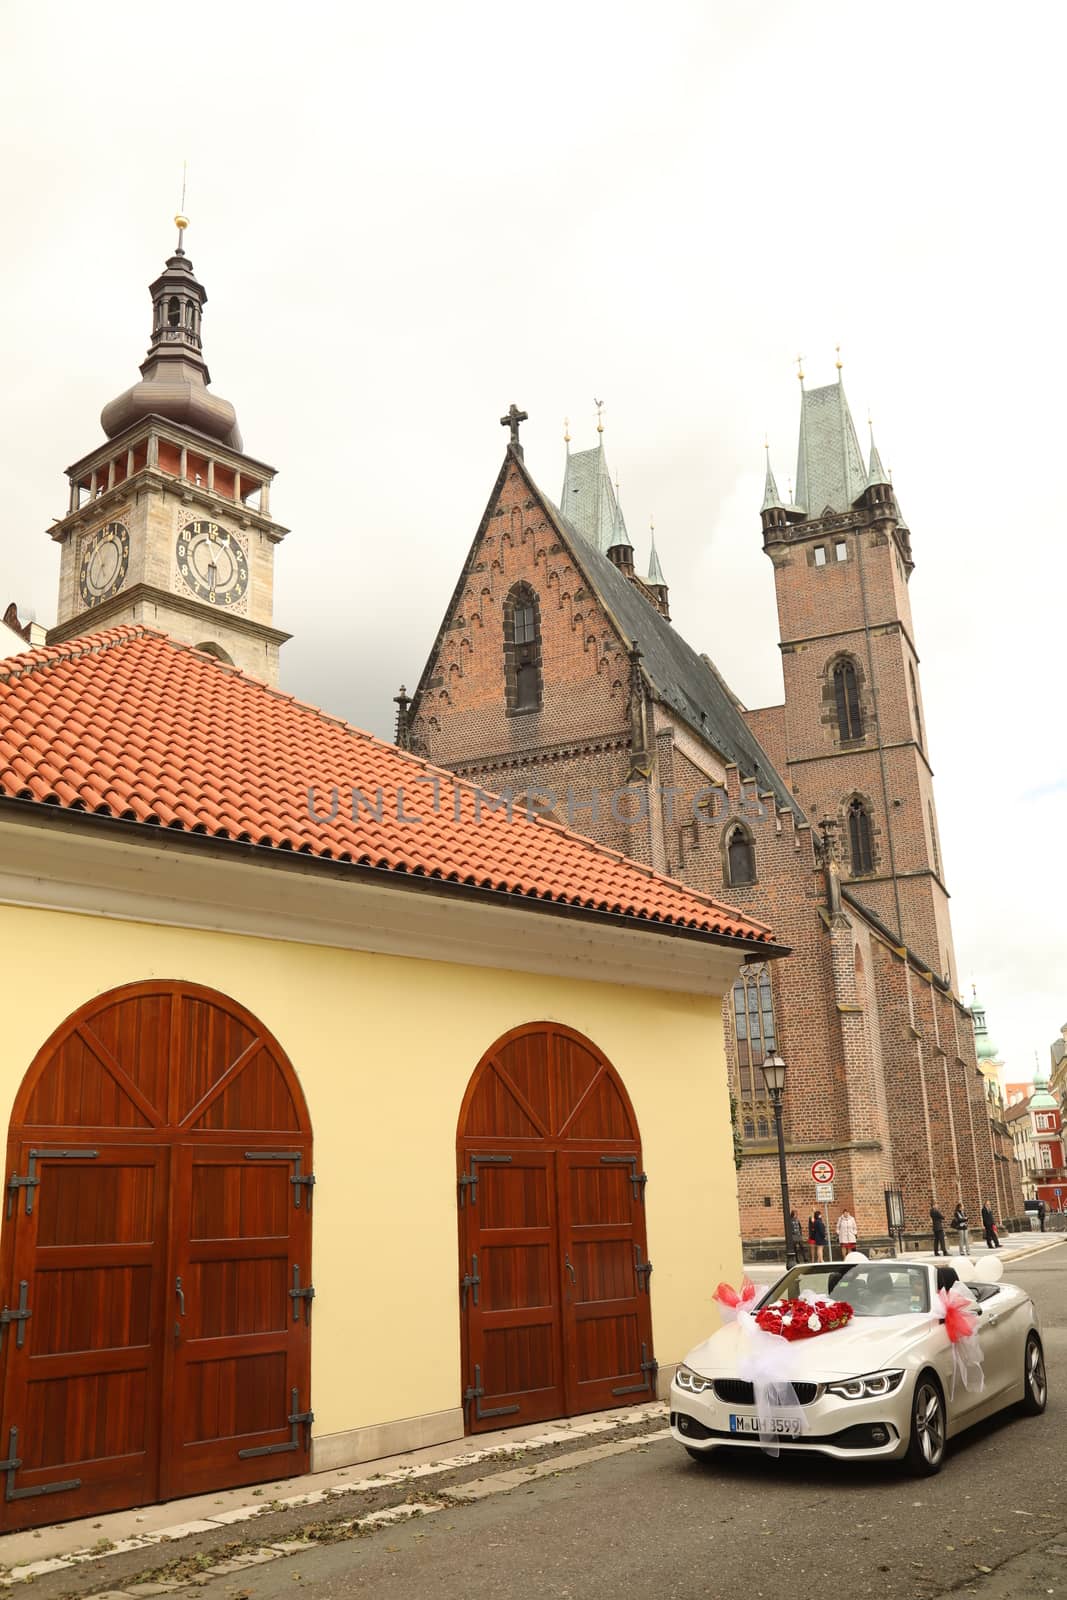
(100, 725)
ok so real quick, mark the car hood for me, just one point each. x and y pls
(867, 1344)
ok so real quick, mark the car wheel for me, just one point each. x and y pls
(926, 1447)
(1035, 1382)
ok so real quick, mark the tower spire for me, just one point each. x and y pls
(772, 501)
(876, 473)
(174, 375)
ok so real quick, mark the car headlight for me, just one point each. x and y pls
(691, 1381)
(868, 1387)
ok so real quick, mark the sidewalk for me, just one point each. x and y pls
(1013, 1247)
(383, 1488)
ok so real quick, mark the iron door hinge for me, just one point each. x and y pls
(474, 1394)
(468, 1181)
(12, 1465)
(31, 1181)
(637, 1179)
(470, 1280)
(642, 1269)
(296, 1294)
(650, 1368)
(295, 1419)
(299, 1180)
(22, 1315)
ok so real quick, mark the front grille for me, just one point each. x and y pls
(738, 1392)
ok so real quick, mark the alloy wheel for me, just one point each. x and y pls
(1036, 1379)
(930, 1423)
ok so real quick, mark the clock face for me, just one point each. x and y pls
(212, 563)
(105, 560)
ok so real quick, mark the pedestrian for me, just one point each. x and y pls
(796, 1234)
(937, 1217)
(990, 1227)
(846, 1231)
(959, 1222)
(1041, 1209)
(818, 1235)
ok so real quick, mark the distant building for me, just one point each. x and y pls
(1036, 1125)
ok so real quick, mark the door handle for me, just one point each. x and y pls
(569, 1268)
(180, 1292)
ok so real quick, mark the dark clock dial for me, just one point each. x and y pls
(105, 562)
(212, 563)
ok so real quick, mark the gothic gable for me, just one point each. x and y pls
(522, 604)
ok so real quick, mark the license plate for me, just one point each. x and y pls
(786, 1425)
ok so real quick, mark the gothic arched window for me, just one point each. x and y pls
(522, 650)
(740, 856)
(754, 1040)
(174, 312)
(847, 701)
(860, 844)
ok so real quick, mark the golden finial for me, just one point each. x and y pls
(599, 419)
(566, 430)
(838, 363)
(767, 443)
(181, 221)
(800, 368)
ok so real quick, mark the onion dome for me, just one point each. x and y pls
(174, 375)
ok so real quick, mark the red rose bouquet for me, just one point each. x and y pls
(803, 1319)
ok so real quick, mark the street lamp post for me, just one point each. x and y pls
(774, 1078)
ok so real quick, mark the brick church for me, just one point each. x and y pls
(557, 680)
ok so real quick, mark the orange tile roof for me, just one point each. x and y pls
(129, 724)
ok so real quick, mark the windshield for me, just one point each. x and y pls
(872, 1288)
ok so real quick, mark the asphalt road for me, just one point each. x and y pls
(652, 1523)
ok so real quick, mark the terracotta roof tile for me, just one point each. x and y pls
(128, 723)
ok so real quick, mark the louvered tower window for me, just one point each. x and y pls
(859, 838)
(847, 701)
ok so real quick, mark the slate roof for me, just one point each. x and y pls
(128, 724)
(588, 499)
(830, 470)
(684, 680)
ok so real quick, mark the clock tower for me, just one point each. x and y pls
(168, 522)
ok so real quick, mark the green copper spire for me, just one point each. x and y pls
(772, 500)
(655, 571)
(876, 473)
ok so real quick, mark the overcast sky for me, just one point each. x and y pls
(408, 216)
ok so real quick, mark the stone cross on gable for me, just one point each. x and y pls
(512, 420)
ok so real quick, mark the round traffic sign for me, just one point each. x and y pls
(822, 1171)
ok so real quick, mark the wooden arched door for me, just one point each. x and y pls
(554, 1273)
(156, 1259)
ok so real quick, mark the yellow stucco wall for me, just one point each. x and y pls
(384, 1048)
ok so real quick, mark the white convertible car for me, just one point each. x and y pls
(881, 1387)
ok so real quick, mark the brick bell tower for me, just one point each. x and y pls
(855, 740)
(168, 521)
